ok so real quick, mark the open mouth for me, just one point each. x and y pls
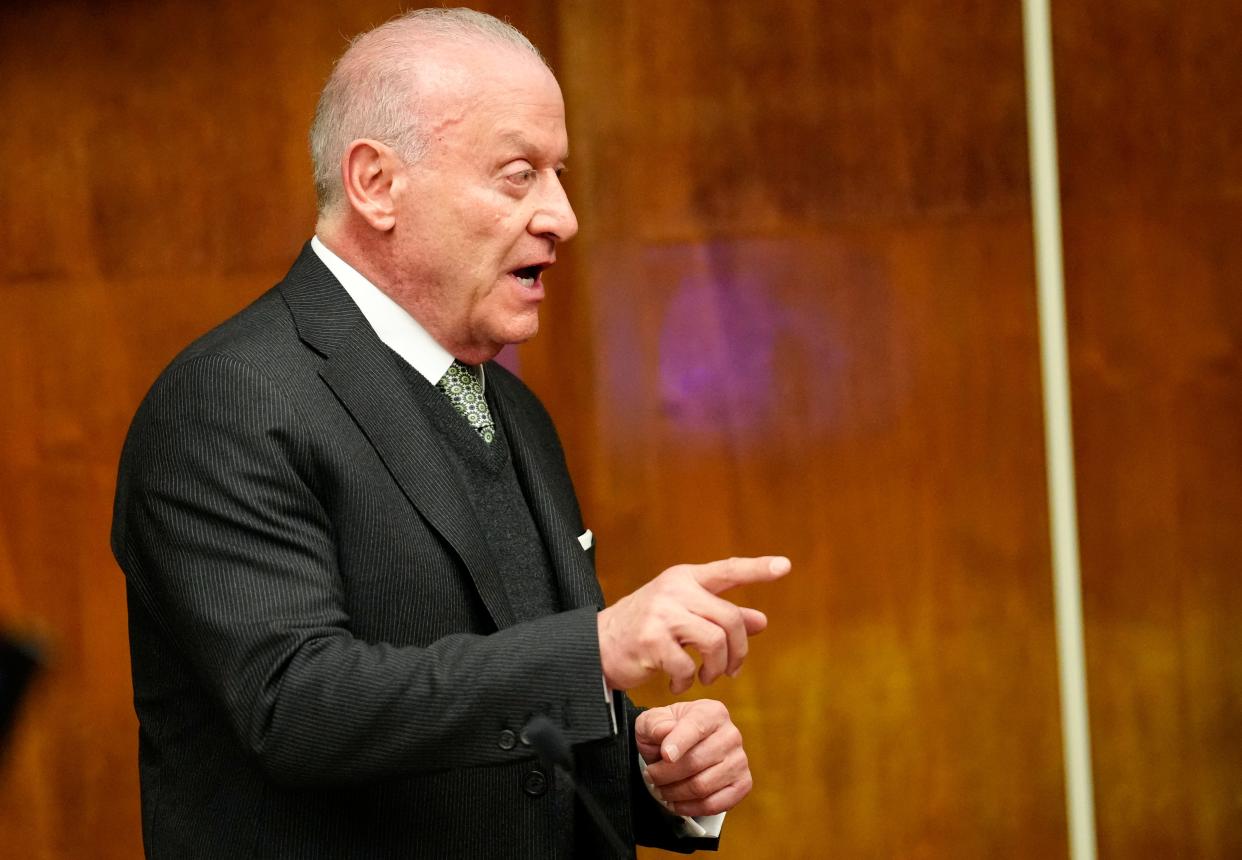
(528, 275)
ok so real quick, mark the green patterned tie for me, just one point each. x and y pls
(466, 395)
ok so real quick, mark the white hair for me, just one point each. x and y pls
(371, 91)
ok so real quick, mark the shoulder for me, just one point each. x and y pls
(246, 369)
(259, 334)
(284, 331)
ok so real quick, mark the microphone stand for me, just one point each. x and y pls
(549, 741)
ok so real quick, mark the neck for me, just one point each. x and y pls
(366, 255)
(368, 252)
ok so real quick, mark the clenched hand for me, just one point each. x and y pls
(694, 756)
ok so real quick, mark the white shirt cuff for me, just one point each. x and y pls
(698, 826)
(612, 712)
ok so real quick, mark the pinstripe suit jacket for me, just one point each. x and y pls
(325, 662)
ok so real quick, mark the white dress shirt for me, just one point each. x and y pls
(392, 323)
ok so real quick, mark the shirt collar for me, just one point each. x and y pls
(392, 323)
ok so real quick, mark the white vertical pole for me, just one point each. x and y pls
(1058, 430)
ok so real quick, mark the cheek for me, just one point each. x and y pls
(499, 223)
(482, 238)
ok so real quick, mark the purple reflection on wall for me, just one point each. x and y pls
(751, 339)
(717, 344)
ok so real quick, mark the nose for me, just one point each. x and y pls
(554, 218)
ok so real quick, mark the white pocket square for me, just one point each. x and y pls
(586, 539)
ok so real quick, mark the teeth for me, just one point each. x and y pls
(527, 275)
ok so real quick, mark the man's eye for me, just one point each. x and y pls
(523, 177)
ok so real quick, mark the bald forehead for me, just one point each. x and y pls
(450, 71)
(442, 75)
(431, 60)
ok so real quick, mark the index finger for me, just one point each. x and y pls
(653, 724)
(697, 723)
(718, 576)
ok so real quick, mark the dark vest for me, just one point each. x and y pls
(491, 484)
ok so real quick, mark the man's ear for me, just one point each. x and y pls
(368, 171)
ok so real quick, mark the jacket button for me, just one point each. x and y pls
(507, 741)
(535, 783)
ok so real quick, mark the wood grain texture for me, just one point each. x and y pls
(1151, 132)
(800, 318)
(806, 251)
(152, 181)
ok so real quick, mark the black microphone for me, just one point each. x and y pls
(19, 661)
(549, 741)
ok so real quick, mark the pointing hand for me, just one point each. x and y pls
(646, 632)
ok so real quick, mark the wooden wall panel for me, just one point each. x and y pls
(1151, 134)
(800, 319)
(806, 251)
(152, 180)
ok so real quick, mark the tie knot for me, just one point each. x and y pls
(466, 394)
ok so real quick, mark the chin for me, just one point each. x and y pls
(521, 330)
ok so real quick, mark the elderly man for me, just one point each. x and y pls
(356, 567)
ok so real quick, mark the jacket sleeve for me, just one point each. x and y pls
(225, 542)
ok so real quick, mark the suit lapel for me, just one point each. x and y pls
(574, 572)
(366, 379)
